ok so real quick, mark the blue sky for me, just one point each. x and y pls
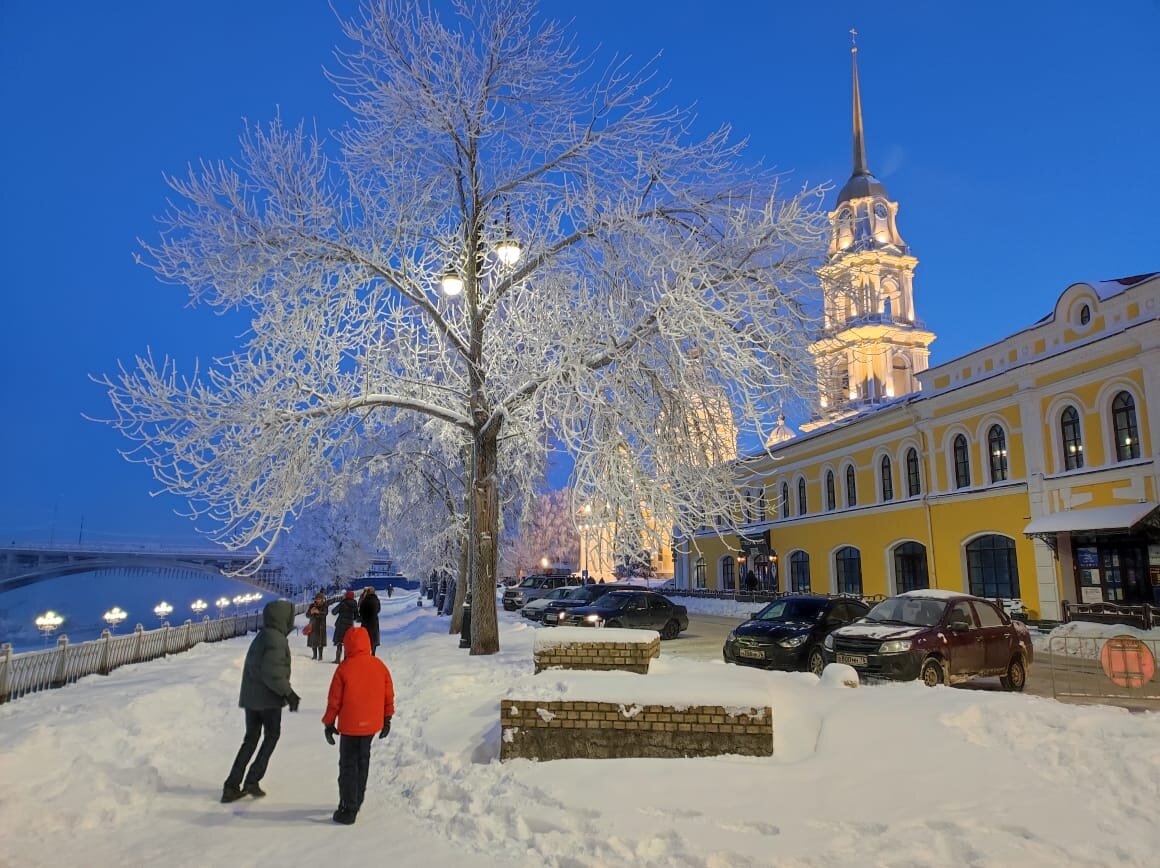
(1019, 138)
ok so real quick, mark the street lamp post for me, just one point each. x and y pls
(222, 604)
(115, 616)
(48, 623)
(199, 605)
(162, 610)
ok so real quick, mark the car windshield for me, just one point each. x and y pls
(792, 610)
(614, 600)
(911, 611)
(579, 594)
(529, 582)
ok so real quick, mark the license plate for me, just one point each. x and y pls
(852, 659)
(751, 652)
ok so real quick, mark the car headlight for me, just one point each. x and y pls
(592, 619)
(828, 642)
(895, 646)
(793, 641)
(561, 614)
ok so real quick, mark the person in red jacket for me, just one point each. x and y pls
(362, 702)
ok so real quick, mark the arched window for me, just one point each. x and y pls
(1085, 315)
(831, 497)
(910, 567)
(799, 573)
(848, 568)
(1124, 423)
(887, 479)
(727, 575)
(803, 504)
(992, 568)
(699, 575)
(913, 479)
(785, 500)
(997, 447)
(962, 463)
(1072, 440)
(851, 486)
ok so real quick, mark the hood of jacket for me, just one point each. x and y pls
(355, 641)
(279, 615)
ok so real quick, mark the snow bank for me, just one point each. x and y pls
(127, 770)
(1086, 639)
(557, 636)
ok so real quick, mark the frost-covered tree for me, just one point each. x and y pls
(656, 271)
(549, 533)
(334, 540)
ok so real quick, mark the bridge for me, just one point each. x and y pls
(22, 565)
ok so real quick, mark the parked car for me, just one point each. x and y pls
(633, 609)
(584, 596)
(942, 637)
(534, 611)
(788, 633)
(531, 588)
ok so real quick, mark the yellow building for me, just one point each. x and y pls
(1028, 469)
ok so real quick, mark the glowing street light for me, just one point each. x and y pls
(115, 616)
(162, 610)
(199, 605)
(544, 563)
(48, 623)
(222, 604)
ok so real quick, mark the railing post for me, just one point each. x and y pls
(1066, 606)
(188, 634)
(103, 664)
(5, 664)
(61, 657)
(140, 631)
(164, 638)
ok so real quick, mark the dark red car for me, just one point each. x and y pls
(942, 637)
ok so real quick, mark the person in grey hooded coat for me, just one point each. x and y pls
(265, 689)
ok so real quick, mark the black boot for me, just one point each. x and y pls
(253, 790)
(344, 815)
(231, 794)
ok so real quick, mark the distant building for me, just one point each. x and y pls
(1026, 469)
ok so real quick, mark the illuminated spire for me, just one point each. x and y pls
(860, 167)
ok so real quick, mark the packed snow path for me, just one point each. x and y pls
(127, 770)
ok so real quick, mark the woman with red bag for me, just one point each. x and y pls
(316, 627)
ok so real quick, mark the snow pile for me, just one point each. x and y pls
(1086, 639)
(724, 608)
(546, 640)
(127, 770)
(839, 675)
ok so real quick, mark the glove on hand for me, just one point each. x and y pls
(386, 727)
(329, 732)
(292, 700)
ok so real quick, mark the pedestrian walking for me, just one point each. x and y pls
(390, 590)
(361, 702)
(316, 612)
(346, 612)
(265, 689)
(751, 582)
(368, 613)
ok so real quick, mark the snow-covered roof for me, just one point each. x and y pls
(1123, 517)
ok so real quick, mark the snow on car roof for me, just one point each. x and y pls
(935, 594)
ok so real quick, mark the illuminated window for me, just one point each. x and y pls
(997, 447)
(1124, 423)
(1072, 440)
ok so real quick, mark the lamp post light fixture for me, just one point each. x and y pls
(162, 610)
(199, 606)
(222, 604)
(48, 623)
(239, 599)
(544, 563)
(115, 616)
(451, 283)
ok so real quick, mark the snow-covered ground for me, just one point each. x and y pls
(127, 770)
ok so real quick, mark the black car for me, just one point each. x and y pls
(553, 613)
(789, 632)
(633, 609)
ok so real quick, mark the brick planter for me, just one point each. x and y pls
(548, 730)
(589, 648)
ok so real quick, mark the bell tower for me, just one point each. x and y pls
(872, 343)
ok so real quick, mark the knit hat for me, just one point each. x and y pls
(350, 595)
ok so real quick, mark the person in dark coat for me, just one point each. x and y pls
(316, 612)
(346, 612)
(751, 581)
(361, 702)
(368, 614)
(265, 689)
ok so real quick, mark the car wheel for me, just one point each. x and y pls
(816, 662)
(671, 630)
(611, 623)
(1016, 677)
(932, 672)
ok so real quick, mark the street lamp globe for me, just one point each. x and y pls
(451, 283)
(239, 599)
(199, 605)
(48, 622)
(509, 251)
(222, 603)
(115, 616)
(544, 563)
(162, 610)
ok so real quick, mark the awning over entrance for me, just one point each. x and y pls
(1100, 518)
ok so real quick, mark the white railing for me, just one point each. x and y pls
(32, 671)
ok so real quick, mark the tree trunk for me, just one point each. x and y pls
(485, 516)
(460, 590)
